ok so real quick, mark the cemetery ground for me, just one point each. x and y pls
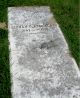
(67, 15)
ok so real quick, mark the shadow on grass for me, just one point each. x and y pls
(5, 84)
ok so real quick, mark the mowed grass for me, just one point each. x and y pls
(66, 13)
(5, 83)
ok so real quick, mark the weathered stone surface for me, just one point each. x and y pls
(41, 66)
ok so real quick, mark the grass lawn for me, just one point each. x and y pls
(66, 13)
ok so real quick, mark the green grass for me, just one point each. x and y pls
(66, 13)
(5, 84)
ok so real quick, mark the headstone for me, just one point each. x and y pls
(40, 63)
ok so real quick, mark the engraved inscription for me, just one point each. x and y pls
(32, 27)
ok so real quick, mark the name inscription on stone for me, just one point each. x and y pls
(32, 28)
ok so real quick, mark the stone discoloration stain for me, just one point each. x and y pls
(52, 21)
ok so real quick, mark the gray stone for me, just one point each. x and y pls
(40, 63)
